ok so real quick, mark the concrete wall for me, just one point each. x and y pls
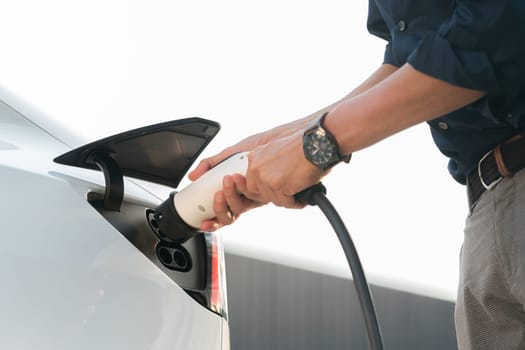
(278, 307)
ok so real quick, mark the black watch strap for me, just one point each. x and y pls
(342, 158)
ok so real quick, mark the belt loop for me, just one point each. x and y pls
(502, 168)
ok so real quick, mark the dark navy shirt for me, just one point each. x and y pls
(474, 44)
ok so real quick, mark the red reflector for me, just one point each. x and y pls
(215, 299)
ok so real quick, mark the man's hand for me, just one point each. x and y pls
(229, 203)
(278, 170)
(247, 144)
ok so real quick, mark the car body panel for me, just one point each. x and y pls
(69, 278)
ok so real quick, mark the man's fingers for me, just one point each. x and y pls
(209, 226)
(208, 163)
(233, 197)
(282, 200)
(222, 210)
(238, 201)
(204, 166)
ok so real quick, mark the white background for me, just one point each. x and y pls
(102, 67)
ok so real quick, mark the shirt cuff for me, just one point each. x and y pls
(389, 56)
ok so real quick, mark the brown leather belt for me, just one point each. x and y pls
(504, 160)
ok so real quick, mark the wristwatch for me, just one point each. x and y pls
(320, 146)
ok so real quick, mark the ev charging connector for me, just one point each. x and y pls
(179, 217)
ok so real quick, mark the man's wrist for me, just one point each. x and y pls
(344, 157)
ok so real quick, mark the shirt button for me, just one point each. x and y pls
(401, 25)
(443, 125)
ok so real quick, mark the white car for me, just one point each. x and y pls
(82, 265)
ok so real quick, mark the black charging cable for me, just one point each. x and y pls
(316, 195)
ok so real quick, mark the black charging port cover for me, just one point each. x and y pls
(160, 153)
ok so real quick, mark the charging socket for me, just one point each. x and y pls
(174, 257)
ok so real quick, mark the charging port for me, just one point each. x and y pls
(174, 257)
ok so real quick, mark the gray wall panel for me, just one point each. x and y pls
(279, 307)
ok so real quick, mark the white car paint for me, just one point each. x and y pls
(69, 279)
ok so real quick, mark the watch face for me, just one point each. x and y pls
(319, 148)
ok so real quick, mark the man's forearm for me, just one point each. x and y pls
(405, 98)
(379, 75)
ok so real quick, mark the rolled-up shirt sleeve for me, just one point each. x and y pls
(377, 26)
(480, 46)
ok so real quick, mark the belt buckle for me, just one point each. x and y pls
(483, 183)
